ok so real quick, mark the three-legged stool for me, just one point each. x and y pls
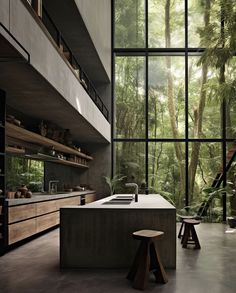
(147, 259)
(190, 235)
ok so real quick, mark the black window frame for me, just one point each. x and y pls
(186, 52)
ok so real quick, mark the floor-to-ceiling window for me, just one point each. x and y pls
(174, 97)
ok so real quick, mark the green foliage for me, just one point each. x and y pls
(211, 79)
(129, 24)
(21, 171)
(167, 196)
(113, 182)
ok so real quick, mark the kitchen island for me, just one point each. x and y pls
(99, 235)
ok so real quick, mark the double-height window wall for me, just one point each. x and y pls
(174, 101)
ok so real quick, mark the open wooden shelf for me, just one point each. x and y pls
(69, 163)
(31, 137)
(17, 151)
(13, 150)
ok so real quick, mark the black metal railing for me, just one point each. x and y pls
(65, 49)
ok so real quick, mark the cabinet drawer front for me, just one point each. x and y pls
(47, 221)
(22, 230)
(46, 207)
(68, 201)
(22, 212)
(90, 197)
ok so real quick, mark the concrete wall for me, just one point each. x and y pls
(65, 175)
(104, 90)
(97, 18)
(99, 167)
(96, 15)
(93, 176)
(4, 12)
(45, 58)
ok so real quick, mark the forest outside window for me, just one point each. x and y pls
(174, 97)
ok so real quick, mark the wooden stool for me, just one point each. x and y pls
(190, 235)
(182, 218)
(147, 259)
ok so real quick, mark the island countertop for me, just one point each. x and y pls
(150, 201)
(99, 235)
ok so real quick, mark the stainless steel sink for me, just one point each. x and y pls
(112, 202)
(123, 198)
(119, 200)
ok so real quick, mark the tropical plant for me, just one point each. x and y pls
(113, 182)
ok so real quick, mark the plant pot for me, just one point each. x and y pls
(231, 222)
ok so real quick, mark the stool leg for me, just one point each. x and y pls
(136, 261)
(182, 238)
(156, 264)
(195, 238)
(142, 273)
(186, 236)
(180, 230)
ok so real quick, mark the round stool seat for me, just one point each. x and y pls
(183, 217)
(192, 221)
(147, 234)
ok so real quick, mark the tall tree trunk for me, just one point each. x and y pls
(229, 130)
(154, 153)
(222, 66)
(198, 117)
(171, 102)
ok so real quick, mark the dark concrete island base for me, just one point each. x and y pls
(99, 236)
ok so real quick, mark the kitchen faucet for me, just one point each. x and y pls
(52, 186)
(136, 189)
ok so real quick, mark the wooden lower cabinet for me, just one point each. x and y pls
(68, 201)
(21, 230)
(22, 212)
(29, 219)
(90, 197)
(47, 221)
(46, 207)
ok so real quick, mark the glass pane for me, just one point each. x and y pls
(203, 23)
(231, 180)
(166, 24)
(130, 97)
(229, 92)
(205, 164)
(167, 171)
(129, 24)
(21, 171)
(166, 97)
(204, 109)
(130, 162)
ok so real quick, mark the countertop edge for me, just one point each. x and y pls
(146, 202)
(42, 198)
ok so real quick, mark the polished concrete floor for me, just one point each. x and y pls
(34, 268)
